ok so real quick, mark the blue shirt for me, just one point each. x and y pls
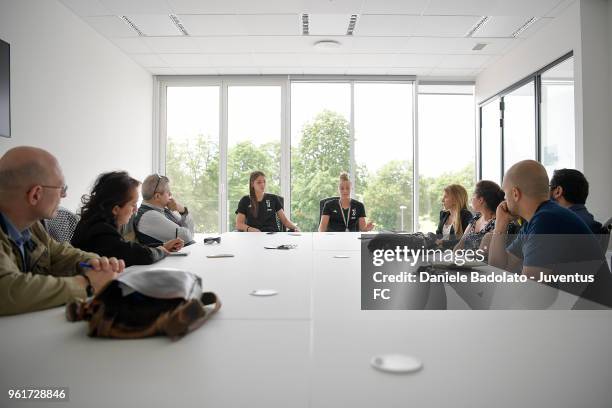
(554, 235)
(581, 211)
(18, 237)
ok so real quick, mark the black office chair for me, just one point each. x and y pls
(322, 205)
(61, 228)
(279, 224)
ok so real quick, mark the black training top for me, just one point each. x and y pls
(266, 212)
(336, 220)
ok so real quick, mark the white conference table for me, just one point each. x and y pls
(311, 345)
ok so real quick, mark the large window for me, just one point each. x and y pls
(320, 146)
(490, 141)
(446, 146)
(192, 151)
(519, 125)
(383, 153)
(558, 144)
(302, 133)
(254, 141)
(535, 119)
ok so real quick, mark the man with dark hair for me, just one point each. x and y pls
(570, 189)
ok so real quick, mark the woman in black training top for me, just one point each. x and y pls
(109, 207)
(257, 212)
(344, 214)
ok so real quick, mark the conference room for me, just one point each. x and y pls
(350, 128)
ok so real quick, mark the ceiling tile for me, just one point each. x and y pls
(238, 70)
(444, 26)
(385, 25)
(231, 60)
(237, 6)
(311, 70)
(149, 60)
(525, 8)
(223, 44)
(123, 7)
(161, 70)
(415, 7)
(296, 43)
(381, 44)
(417, 60)
(270, 24)
(502, 26)
(170, 45)
(209, 24)
(187, 60)
(325, 60)
(111, 26)
(442, 72)
(372, 60)
(408, 71)
(366, 71)
(154, 24)
(463, 61)
(196, 71)
(559, 8)
(86, 8)
(133, 45)
(460, 8)
(328, 24)
(276, 60)
(282, 70)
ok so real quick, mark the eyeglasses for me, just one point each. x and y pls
(159, 179)
(63, 188)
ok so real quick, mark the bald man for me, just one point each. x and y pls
(37, 272)
(553, 241)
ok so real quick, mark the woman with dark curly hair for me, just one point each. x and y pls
(109, 207)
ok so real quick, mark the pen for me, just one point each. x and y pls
(85, 265)
(176, 235)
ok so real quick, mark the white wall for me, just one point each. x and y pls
(584, 28)
(75, 94)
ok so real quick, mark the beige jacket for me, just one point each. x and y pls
(49, 282)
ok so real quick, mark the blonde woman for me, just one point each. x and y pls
(455, 217)
(344, 214)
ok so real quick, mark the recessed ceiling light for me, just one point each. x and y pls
(178, 24)
(326, 45)
(483, 20)
(524, 26)
(305, 24)
(479, 46)
(132, 25)
(352, 22)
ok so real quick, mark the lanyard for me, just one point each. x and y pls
(342, 212)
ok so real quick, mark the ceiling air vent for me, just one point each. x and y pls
(352, 23)
(305, 24)
(479, 46)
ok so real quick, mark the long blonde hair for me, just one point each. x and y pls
(460, 198)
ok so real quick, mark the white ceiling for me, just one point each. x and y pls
(391, 37)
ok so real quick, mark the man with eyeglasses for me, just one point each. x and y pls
(160, 217)
(37, 272)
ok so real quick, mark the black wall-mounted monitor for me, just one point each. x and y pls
(5, 89)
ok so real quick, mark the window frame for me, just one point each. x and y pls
(536, 77)
(162, 82)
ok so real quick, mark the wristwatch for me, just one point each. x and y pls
(185, 212)
(88, 289)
